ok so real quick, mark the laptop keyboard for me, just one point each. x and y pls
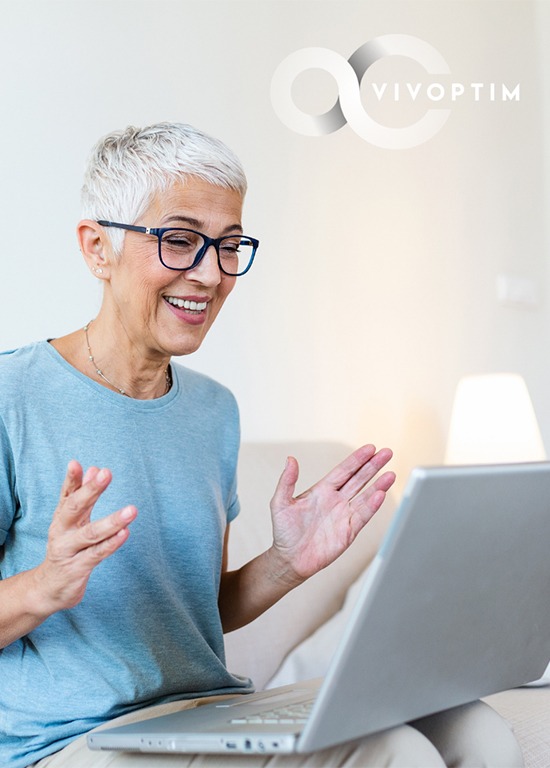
(289, 714)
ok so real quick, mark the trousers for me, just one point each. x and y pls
(471, 736)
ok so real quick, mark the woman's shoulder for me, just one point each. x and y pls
(17, 365)
(20, 358)
(193, 382)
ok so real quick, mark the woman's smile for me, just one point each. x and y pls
(189, 309)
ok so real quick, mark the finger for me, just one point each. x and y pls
(101, 530)
(385, 481)
(95, 554)
(73, 479)
(366, 472)
(90, 473)
(342, 472)
(365, 506)
(363, 512)
(382, 483)
(76, 507)
(284, 492)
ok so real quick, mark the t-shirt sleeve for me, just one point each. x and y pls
(233, 510)
(7, 485)
(234, 506)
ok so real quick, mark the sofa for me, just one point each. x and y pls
(294, 640)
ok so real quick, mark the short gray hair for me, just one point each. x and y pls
(127, 168)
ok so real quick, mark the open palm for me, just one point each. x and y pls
(312, 529)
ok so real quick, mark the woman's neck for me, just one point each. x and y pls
(114, 361)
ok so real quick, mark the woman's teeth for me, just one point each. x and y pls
(194, 306)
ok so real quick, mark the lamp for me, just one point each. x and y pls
(493, 422)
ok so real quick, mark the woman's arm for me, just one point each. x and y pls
(75, 547)
(309, 532)
(246, 593)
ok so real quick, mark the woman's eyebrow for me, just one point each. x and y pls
(196, 224)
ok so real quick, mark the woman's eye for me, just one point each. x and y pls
(178, 242)
(231, 247)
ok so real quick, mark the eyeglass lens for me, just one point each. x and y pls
(179, 249)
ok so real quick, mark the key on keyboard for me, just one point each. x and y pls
(288, 714)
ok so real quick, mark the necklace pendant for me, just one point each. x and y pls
(167, 372)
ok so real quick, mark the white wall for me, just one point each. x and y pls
(375, 285)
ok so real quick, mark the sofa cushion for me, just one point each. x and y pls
(311, 658)
(527, 710)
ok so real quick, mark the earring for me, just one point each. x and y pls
(98, 271)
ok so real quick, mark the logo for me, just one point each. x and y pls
(349, 108)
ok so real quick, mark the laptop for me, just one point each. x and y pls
(453, 607)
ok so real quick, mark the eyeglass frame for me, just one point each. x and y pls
(158, 232)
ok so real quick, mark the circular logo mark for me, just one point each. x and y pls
(348, 107)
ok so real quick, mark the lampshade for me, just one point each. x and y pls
(493, 421)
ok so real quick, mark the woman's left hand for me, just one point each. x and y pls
(311, 530)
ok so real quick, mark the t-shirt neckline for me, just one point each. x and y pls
(123, 401)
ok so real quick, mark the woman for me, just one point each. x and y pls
(95, 625)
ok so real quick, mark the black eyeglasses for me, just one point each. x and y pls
(183, 249)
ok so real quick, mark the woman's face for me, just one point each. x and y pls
(145, 294)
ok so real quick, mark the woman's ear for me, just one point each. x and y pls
(95, 247)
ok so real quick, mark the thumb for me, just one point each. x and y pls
(284, 492)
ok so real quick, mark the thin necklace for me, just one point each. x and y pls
(100, 373)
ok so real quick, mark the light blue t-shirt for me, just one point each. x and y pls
(148, 629)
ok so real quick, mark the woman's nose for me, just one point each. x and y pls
(207, 271)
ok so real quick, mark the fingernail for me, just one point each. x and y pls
(102, 475)
(127, 513)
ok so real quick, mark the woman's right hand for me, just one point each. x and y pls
(75, 544)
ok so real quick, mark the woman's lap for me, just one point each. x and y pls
(473, 735)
